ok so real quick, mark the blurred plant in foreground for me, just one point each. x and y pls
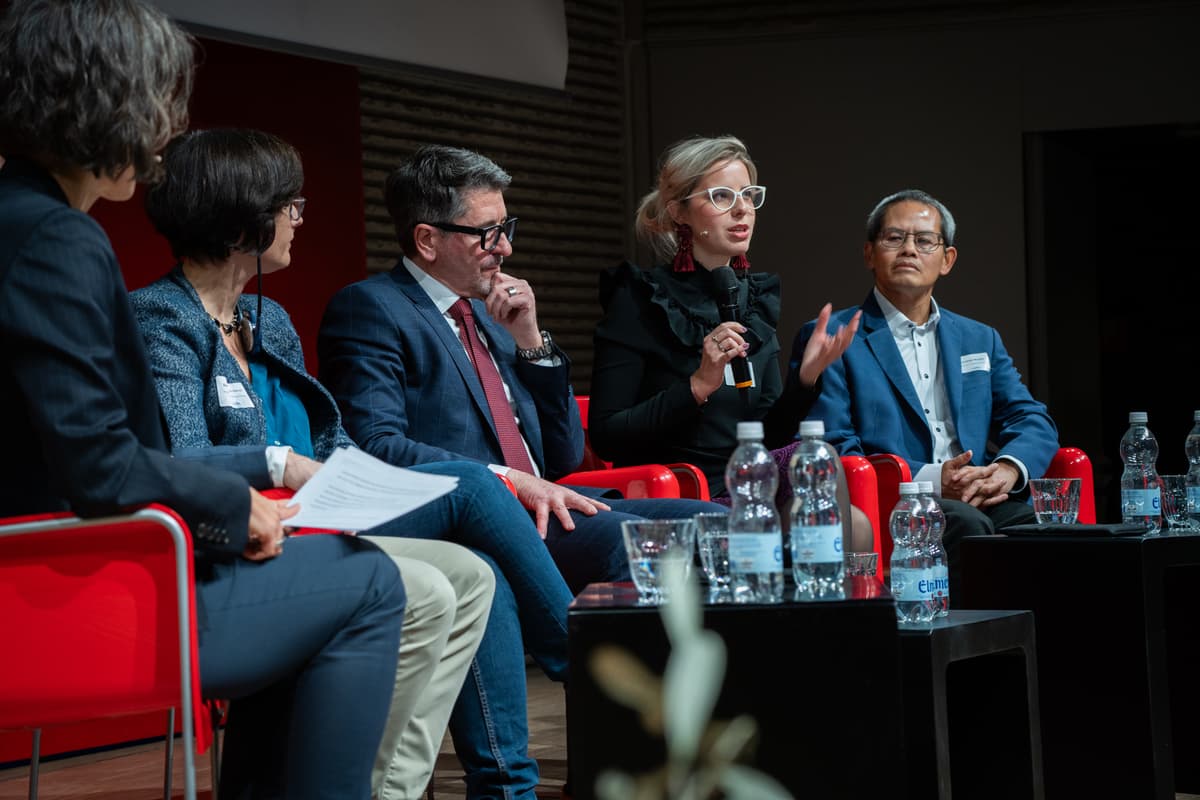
(701, 753)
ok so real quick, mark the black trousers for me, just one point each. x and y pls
(963, 519)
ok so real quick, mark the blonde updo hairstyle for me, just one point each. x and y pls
(682, 166)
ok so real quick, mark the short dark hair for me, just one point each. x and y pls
(875, 218)
(97, 85)
(221, 190)
(429, 187)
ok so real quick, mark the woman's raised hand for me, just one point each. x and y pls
(824, 348)
(721, 346)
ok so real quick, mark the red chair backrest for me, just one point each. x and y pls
(98, 619)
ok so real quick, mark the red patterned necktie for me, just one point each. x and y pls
(511, 443)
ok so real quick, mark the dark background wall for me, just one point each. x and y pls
(1064, 136)
(1017, 116)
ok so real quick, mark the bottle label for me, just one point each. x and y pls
(936, 586)
(1193, 500)
(755, 552)
(816, 544)
(912, 584)
(1141, 503)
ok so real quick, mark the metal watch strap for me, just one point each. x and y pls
(538, 353)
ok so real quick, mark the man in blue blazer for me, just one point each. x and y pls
(443, 358)
(929, 385)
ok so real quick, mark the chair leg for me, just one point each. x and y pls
(214, 751)
(170, 754)
(34, 763)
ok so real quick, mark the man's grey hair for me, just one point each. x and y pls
(432, 184)
(875, 218)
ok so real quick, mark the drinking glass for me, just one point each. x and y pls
(1175, 502)
(650, 544)
(864, 564)
(712, 539)
(1055, 500)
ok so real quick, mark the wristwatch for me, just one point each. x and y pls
(538, 353)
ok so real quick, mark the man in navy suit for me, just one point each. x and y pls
(443, 358)
(391, 353)
(933, 387)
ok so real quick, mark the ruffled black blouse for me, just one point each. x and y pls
(647, 346)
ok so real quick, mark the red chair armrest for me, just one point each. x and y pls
(645, 481)
(507, 483)
(890, 471)
(693, 483)
(1071, 462)
(864, 493)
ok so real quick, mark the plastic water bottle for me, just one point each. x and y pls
(910, 574)
(1141, 497)
(939, 592)
(1192, 447)
(818, 560)
(755, 539)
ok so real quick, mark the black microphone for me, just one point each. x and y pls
(725, 285)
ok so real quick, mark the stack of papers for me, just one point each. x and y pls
(354, 491)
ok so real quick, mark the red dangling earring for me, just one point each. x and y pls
(740, 263)
(683, 256)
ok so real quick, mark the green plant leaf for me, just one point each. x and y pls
(747, 783)
(691, 684)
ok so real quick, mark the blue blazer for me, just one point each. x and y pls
(869, 405)
(189, 358)
(83, 427)
(408, 393)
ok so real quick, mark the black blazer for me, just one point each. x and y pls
(84, 429)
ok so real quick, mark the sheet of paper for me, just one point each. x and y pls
(354, 491)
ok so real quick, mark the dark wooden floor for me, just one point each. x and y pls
(136, 773)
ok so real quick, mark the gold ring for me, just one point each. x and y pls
(511, 290)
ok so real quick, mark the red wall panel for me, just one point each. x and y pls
(311, 104)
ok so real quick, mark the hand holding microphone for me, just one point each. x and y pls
(724, 345)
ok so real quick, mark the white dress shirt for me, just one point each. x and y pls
(443, 297)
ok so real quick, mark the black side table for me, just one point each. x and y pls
(971, 720)
(1118, 643)
(821, 679)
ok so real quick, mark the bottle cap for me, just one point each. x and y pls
(926, 487)
(812, 427)
(749, 430)
(1196, 416)
(1137, 417)
(909, 487)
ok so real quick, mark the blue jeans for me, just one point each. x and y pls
(595, 551)
(489, 723)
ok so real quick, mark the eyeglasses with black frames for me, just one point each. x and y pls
(925, 241)
(295, 208)
(489, 237)
(723, 198)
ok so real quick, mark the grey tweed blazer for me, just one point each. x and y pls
(189, 361)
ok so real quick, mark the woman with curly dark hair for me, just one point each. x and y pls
(90, 91)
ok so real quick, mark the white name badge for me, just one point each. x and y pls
(232, 395)
(729, 381)
(976, 362)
